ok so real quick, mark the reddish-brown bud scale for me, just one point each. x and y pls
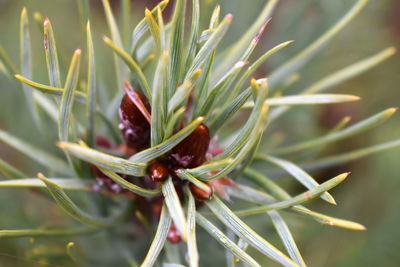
(134, 125)
(173, 235)
(219, 186)
(200, 193)
(191, 151)
(158, 171)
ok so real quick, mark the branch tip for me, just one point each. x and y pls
(61, 145)
(46, 22)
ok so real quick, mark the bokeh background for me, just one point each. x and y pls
(371, 195)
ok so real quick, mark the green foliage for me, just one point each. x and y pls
(192, 80)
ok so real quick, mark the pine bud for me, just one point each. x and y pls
(191, 151)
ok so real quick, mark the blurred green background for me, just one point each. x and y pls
(370, 196)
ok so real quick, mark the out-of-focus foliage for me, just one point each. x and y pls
(371, 197)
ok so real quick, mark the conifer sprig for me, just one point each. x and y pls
(193, 89)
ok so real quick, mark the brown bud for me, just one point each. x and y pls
(200, 193)
(134, 125)
(173, 235)
(191, 151)
(158, 171)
